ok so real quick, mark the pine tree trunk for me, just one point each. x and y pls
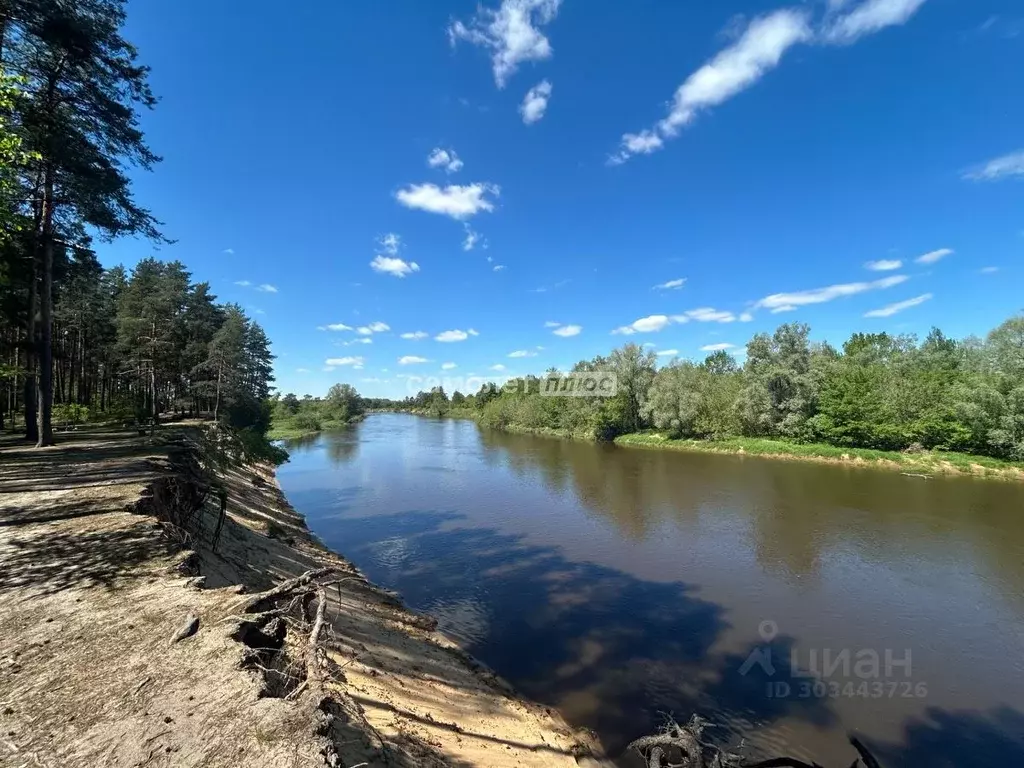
(31, 427)
(216, 405)
(45, 433)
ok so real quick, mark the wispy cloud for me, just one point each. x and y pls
(679, 282)
(551, 324)
(778, 301)
(302, 370)
(455, 335)
(933, 256)
(497, 367)
(989, 270)
(868, 17)
(535, 103)
(456, 201)
(884, 265)
(414, 335)
(335, 327)
(899, 306)
(267, 288)
(472, 238)
(499, 267)
(758, 50)
(393, 265)
(567, 331)
(522, 353)
(360, 340)
(412, 360)
(733, 70)
(243, 283)
(999, 168)
(446, 159)
(229, 251)
(717, 347)
(337, 362)
(448, 366)
(512, 33)
(707, 315)
(667, 353)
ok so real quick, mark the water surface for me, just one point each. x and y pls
(619, 584)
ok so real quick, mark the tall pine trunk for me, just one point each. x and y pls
(216, 404)
(45, 433)
(31, 353)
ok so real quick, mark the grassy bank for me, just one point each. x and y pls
(928, 462)
(300, 426)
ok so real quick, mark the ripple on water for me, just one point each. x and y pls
(464, 620)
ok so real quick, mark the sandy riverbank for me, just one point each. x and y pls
(96, 583)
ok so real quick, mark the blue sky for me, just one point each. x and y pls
(328, 164)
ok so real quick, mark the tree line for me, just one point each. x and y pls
(880, 391)
(75, 339)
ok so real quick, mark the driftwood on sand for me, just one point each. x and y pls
(682, 746)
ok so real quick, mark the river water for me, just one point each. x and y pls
(789, 603)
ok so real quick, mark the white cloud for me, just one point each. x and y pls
(899, 306)
(498, 367)
(717, 347)
(671, 284)
(551, 324)
(870, 16)
(708, 315)
(472, 238)
(666, 352)
(457, 201)
(266, 288)
(746, 317)
(535, 103)
(733, 70)
(243, 283)
(340, 361)
(989, 270)
(455, 335)
(567, 331)
(377, 327)
(391, 243)
(414, 335)
(393, 265)
(448, 366)
(302, 370)
(473, 332)
(649, 324)
(999, 168)
(337, 327)
(229, 251)
(327, 368)
(360, 340)
(522, 353)
(829, 293)
(884, 265)
(499, 267)
(447, 159)
(933, 256)
(783, 308)
(412, 360)
(512, 34)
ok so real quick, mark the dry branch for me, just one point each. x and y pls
(686, 742)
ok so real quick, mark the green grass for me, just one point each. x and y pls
(930, 461)
(286, 429)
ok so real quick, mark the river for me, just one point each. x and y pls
(790, 603)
